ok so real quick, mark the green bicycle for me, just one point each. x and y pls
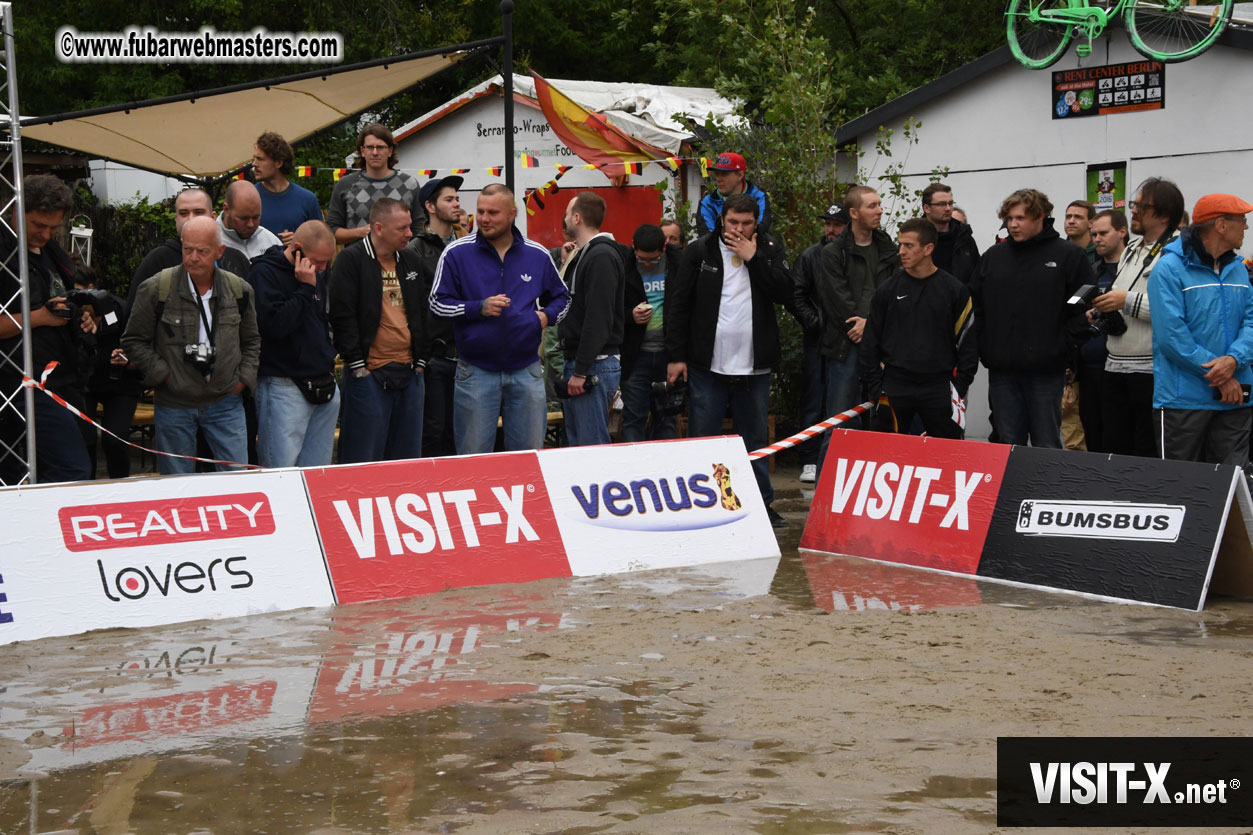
(1039, 31)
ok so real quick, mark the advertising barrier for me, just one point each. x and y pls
(1122, 528)
(156, 551)
(146, 552)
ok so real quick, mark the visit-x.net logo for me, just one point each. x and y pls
(1112, 781)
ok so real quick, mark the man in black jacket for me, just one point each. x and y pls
(650, 269)
(806, 307)
(378, 319)
(591, 331)
(722, 334)
(955, 250)
(1024, 323)
(443, 210)
(190, 202)
(919, 341)
(853, 267)
(297, 400)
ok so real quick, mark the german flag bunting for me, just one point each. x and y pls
(634, 168)
(461, 171)
(427, 172)
(304, 170)
(611, 168)
(339, 173)
(674, 163)
(239, 176)
(561, 169)
(495, 170)
(704, 167)
(529, 161)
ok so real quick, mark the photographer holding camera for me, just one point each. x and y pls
(60, 330)
(193, 333)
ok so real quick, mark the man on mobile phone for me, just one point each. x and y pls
(1202, 307)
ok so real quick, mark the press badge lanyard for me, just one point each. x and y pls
(209, 329)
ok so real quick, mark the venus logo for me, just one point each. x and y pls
(661, 504)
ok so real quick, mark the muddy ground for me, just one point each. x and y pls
(812, 695)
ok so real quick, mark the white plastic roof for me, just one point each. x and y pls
(648, 112)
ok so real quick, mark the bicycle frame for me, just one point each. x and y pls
(1079, 13)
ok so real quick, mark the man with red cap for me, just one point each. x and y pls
(731, 178)
(1202, 307)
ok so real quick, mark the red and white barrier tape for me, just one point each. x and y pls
(40, 385)
(812, 432)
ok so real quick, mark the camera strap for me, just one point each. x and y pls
(1154, 251)
(210, 329)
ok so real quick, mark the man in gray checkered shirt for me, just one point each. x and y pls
(352, 197)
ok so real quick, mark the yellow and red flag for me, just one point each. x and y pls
(427, 172)
(339, 172)
(495, 170)
(588, 134)
(304, 170)
(461, 171)
(561, 169)
(239, 176)
(674, 163)
(529, 161)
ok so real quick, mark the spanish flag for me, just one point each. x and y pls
(339, 172)
(529, 161)
(495, 170)
(427, 172)
(588, 134)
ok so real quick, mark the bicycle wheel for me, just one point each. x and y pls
(1036, 43)
(1175, 30)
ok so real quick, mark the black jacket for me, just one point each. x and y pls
(804, 304)
(592, 325)
(169, 253)
(841, 286)
(956, 252)
(356, 293)
(633, 295)
(1020, 292)
(922, 331)
(692, 301)
(291, 315)
(427, 247)
(51, 275)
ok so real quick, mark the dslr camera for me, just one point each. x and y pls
(670, 398)
(202, 357)
(1102, 324)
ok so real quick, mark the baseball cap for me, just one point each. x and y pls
(1216, 205)
(835, 212)
(433, 187)
(729, 162)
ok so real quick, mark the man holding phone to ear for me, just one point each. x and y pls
(297, 399)
(1202, 307)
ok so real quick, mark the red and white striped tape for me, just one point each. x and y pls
(812, 432)
(40, 385)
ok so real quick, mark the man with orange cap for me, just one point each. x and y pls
(1202, 307)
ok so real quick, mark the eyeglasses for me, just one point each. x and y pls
(1137, 204)
(942, 204)
(1238, 220)
(376, 148)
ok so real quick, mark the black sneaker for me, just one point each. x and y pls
(776, 521)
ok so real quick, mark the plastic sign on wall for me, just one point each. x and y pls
(1117, 527)
(155, 551)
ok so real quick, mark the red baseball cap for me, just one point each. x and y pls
(1216, 205)
(729, 162)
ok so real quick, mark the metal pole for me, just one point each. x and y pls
(506, 24)
(19, 230)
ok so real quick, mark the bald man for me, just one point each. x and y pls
(193, 334)
(297, 399)
(240, 221)
(190, 203)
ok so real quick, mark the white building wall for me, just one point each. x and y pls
(996, 134)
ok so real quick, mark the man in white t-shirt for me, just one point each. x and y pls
(722, 335)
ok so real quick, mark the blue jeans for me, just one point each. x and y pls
(637, 400)
(843, 393)
(483, 396)
(380, 424)
(222, 424)
(813, 397)
(587, 416)
(1028, 406)
(291, 431)
(749, 400)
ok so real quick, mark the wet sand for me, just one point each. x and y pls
(821, 694)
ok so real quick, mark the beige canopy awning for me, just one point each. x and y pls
(210, 133)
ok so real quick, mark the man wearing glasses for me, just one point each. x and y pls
(1127, 390)
(955, 252)
(1203, 337)
(354, 195)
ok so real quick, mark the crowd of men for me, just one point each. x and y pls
(236, 322)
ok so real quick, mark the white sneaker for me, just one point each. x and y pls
(809, 474)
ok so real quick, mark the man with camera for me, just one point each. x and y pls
(1203, 337)
(60, 331)
(193, 333)
(1127, 398)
